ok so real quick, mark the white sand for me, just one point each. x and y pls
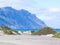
(28, 40)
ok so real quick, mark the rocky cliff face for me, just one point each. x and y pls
(21, 19)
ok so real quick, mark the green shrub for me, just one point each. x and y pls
(15, 32)
(32, 31)
(8, 30)
(44, 31)
(57, 35)
(5, 28)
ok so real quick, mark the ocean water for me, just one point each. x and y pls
(57, 30)
(25, 29)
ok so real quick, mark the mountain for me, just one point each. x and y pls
(19, 19)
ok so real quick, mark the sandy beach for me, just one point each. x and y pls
(28, 40)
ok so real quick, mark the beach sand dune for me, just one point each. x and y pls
(28, 40)
(3, 43)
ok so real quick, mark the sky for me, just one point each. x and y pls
(46, 10)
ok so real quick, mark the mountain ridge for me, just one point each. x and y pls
(22, 19)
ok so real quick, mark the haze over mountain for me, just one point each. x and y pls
(19, 19)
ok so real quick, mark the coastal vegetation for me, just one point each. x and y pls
(57, 35)
(32, 31)
(44, 31)
(7, 30)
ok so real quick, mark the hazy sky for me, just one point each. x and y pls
(46, 10)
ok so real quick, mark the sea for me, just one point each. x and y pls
(57, 30)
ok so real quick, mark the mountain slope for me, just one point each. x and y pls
(21, 19)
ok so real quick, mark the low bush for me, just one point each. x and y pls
(57, 35)
(45, 31)
(32, 31)
(8, 30)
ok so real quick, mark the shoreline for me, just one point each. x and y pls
(28, 40)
